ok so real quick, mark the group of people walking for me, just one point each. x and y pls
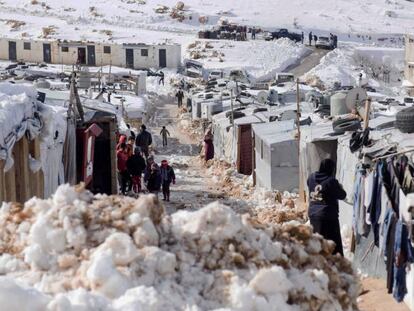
(135, 162)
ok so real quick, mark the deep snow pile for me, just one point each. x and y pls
(261, 59)
(76, 251)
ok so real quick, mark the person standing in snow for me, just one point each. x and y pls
(254, 33)
(147, 170)
(302, 36)
(164, 133)
(208, 145)
(123, 176)
(135, 166)
(154, 180)
(310, 38)
(161, 80)
(315, 38)
(167, 177)
(144, 140)
(180, 96)
(324, 193)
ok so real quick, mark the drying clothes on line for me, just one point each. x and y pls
(380, 204)
(404, 256)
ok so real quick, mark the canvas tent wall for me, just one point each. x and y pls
(136, 56)
(276, 156)
(21, 176)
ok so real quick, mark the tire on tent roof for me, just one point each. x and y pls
(405, 120)
(350, 125)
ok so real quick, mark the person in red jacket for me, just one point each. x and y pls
(123, 175)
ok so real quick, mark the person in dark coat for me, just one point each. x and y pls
(254, 33)
(144, 140)
(180, 96)
(324, 193)
(164, 134)
(147, 170)
(167, 177)
(208, 146)
(135, 166)
(162, 76)
(310, 38)
(315, 38)
(123, 176)
(302, 37)
(154, 180)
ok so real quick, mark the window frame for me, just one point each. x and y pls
(144, 52)
(107, 49)
(65, 49)
(29, 44)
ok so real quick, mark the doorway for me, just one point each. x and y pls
(81, 56)
(47, 53)
(129, 55)
(91, 55)
(162, 58)
(12, 51)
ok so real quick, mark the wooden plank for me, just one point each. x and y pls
(21, 158)
(2, 182)
(36, 179)
(10, 185)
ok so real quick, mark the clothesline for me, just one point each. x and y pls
(393, 154)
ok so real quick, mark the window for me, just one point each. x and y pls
(65, 49)
(107, 49)
(144, 52)
(27, 46)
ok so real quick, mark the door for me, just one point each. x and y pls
(91, 55)
(12, 51)
(245, 145)
(47, 53)
(163, 58)
(129, 55)
(81, 56)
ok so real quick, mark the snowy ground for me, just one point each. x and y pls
(130, 18)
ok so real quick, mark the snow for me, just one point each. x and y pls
(261, 59)
(78, 251)
(138, 21)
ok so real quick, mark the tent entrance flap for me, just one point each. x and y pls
(82, 56)
(91, 55)
(129, 56)
(47, 53)
(163, 58)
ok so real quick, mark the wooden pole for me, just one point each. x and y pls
(298, 112)
(367, 112)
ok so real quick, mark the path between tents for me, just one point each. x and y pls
(194, 188)
(307, 63)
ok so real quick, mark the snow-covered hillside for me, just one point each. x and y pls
(138, 20)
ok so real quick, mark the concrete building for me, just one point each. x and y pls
(409, 64)
(135, 56)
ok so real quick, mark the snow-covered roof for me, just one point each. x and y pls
(275, 132)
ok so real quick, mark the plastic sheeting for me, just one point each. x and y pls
(51, 147)
(18, 116)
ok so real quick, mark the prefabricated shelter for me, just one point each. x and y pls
(135, 56)
(276, 157)
(409, 64)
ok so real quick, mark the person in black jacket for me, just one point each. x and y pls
(144, 140)
(154, 179)
(136, 165)
(324, 193)
(167, 177)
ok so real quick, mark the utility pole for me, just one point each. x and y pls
(298, 112)
(231, 106)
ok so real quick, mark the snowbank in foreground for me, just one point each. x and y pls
(79, 252)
